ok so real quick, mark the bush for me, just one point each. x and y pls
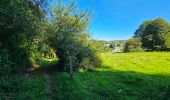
(12, 63)
(5, 63)
(133, 45)
(138, 49)
(89, 57)
(81, 56)
(20, 23)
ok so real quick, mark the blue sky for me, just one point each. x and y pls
(118, 19)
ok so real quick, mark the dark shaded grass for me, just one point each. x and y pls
(23, 87)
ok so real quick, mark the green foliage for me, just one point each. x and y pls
(112, 46)
(99, 46)
(133, 45)
(139, 32)
(67, 34)
(117, 44)
(5, 63)
(167, 41)
(19, 24)
(154, 34)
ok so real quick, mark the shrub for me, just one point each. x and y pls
(138, 49)
(133, 45)
(5, 63)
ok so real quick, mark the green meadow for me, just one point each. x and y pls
(122, 76)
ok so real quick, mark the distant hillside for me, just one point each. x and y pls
(118, 41)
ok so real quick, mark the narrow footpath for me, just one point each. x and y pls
(49, 85)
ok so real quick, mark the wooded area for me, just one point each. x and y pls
(28, 32)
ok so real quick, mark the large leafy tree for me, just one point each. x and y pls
(139, 32)
(167, 41)
(19, 23)
(153, 35)
(67, 34)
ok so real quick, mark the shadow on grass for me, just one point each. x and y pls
(111, 85)
(107, 84)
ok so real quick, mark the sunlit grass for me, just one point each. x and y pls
(46, 62)
(146, 62)
(122, 76)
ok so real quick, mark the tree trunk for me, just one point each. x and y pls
(71, 69)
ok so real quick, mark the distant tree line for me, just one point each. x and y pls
(117, 43)
(100, 45)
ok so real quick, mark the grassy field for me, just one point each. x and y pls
(122, 76)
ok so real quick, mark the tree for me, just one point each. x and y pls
(133, 45)
(153, 34)
(139, 32)
(19, 24)
(67, 34)
(167, 41)
(112, 46)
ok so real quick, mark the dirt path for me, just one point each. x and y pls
(47, 71)
(49, 86)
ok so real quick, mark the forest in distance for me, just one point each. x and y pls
(48, 53)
